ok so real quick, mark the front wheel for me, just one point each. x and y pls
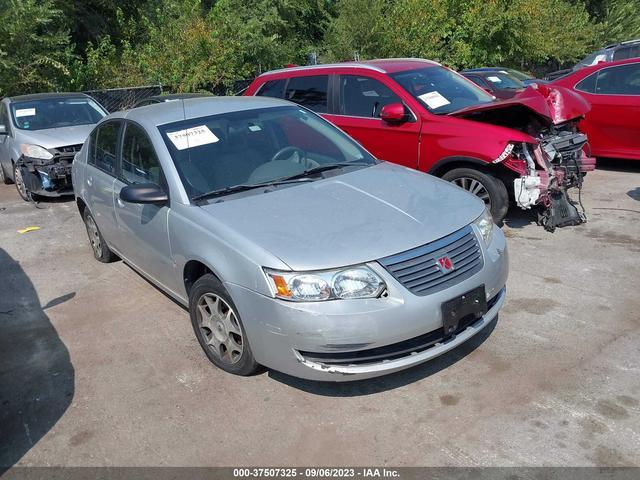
(485, 186)
(218, 327)
(23, 191)
(3, 176)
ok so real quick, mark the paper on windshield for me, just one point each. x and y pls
(494, 79)
(192, 137)
(25, 112)
(434, 99)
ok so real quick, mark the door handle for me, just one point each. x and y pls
(89, 181)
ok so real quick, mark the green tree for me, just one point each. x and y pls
(35, 47)
(356, 29)
(621, 21)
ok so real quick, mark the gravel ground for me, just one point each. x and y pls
(97, 367)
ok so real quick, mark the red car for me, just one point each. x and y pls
(422, 115)
(613, 89)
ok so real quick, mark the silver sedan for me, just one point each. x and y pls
(291, 246)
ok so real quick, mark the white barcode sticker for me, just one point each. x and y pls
(25, 112)
(192, 137)
(434, 99)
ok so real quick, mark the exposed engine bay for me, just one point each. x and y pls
(554, 157)
(555, 165)
(50, 177)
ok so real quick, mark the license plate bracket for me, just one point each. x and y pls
(463, 310)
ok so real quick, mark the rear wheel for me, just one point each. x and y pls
(218, 327)
(101, 252)
(485, 186)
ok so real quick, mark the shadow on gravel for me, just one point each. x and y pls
(387, 382)
(519, 218)
(635, 193)
(36, 374)
(617, 165)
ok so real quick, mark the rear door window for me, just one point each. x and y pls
(363, 96)
(272, 88)
(104, 145)
(310, 92)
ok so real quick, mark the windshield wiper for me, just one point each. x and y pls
(324, 168)
(246, 186)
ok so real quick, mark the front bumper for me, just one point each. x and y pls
(279, 332)
(52, 180)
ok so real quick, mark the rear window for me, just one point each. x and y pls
(272, 88)
(623, 53)
(310, 92)
(588, 84)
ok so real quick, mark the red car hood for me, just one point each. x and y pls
(554, 103)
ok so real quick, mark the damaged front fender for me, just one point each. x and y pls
(49, 178)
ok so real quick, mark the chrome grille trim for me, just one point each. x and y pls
(417, 269)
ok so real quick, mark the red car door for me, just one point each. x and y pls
(613, 124)
(359, 99)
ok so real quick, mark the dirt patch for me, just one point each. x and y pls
(535, 306)
(449, 400)
(611, 410)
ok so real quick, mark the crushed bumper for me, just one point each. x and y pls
(51, 180)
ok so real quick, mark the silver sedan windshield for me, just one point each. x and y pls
(61, 112)
(233, 151)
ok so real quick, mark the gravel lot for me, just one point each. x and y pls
(97, 367)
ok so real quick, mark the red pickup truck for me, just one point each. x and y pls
(422, 115)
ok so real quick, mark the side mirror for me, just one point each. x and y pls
(143, 193)
(3, 129)
(393, 113)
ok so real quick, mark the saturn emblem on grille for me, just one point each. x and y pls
(444, 264)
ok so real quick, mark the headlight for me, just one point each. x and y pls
(35, 151)
(485, 224)
(345, 283)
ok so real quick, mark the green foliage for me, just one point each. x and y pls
(467, 33)
(35, 49)
(357, 29)
(621, 21)
(192, 45)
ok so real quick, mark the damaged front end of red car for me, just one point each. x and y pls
(555, 157)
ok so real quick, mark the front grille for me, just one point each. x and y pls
(418, 270)
(65, 152)
(393, 351)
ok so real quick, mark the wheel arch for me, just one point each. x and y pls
(193, 270)
(446, 164)
(82, 206)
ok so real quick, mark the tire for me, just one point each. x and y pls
(101, 251)
(24, 193)
(218, 327)
(3, 176)
(484, 185)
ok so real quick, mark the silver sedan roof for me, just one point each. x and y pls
(151, 116)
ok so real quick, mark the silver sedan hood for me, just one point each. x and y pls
(352, 218)
(56, 137)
